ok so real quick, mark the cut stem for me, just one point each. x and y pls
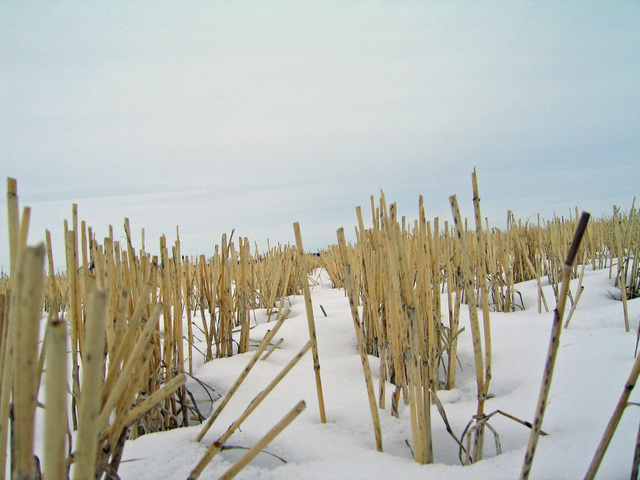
(554, 343)
(264, 441)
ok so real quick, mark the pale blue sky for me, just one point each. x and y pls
(254, 115)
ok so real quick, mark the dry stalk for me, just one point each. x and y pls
(27, 303)
(74, 322)
(453, 288)
(481, 271)
(621, 278)
(245, 372)
(302, 266)
(409, 337)
(372, 319)
(154, 399)
(579, 290)
(375, 418)
(635, 469)
(14, 221)
(623, 402)
(263, 442)
(553, 347)
(92, 380)
(481, 374)
(215, 448)
(8, 359)
(113, 395)
(273, 348)
(56, 422)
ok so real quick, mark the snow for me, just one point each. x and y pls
(594, 361)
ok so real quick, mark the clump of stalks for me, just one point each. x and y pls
(116, 316)
(625, 239)
(218, 445)
(107, 401)
(479, 335)
(397, 272)
(394, 272)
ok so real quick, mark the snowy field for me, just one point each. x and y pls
(594, 361)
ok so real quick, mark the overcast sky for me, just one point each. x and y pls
(253, 115)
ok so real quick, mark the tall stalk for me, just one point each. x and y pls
(554, 343)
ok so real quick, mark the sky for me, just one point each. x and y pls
(249, 116)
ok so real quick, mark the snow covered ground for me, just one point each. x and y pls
(595, 359)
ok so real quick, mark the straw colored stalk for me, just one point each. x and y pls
(210, 279)
(4, 322)
(494, 254)
(14, 221)
(371, 302)
(635, 468)
(92, 379)
(372, 264)
(272, 349)
(408, 337)
(178, 342)
(453, 287)
(234, 388)
(394, 311)
(27, 302)
(118, 325)
(481, 280)
(242, 295)
(7, 350)
(53, 294)
(126, 340)
(204, 289)
(167, 350)
(623, 402)
(111, 285)
(215, 448)
(579, 290)
(151, 401)
(361, 342)
(137, 279)
(56, 424)
(418, 381)
(110, 397)
(225, 302)
(509, 305)
(188, 298)
(421, 376)
(535, 273)
(24, 228)
(434, 240)
(74, 322)
(332, 266)
(436, 335)
(622, 270)
(476, 453)
(554, 343)
(8, 359)
(75, 297)
(273, 292)
(481, 275)
(302, 266)
(264, 441)
(116, 439)
(288, 257)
